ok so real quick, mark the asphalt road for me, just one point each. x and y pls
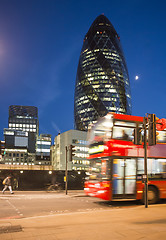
(29, 204)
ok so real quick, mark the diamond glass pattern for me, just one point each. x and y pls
(102, 81)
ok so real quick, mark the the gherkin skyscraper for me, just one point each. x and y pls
(102, 82)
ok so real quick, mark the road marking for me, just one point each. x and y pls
(16, 209)
(70, 213)
(11, 217)
(30, 197)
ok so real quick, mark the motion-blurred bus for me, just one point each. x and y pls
(117, 164)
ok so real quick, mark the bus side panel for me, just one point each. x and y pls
(159, 184)
(139, 190)
(163, 189)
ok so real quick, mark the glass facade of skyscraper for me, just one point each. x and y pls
(23, 118)
(102, 82)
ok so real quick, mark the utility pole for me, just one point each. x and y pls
(145, 163)
(150, 124)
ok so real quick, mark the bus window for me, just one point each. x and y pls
(161, 136)
(101, 131)
(125, 124)
(123, 133)
(156, 167)
(100, 169)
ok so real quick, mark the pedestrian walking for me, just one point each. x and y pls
(15, 184)
(8, 184)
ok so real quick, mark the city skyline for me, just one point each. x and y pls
(40, 44)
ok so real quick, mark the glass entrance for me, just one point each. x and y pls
(124, 178)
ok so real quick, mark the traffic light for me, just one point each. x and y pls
(2, 147)
(152, 129)
(137, 136)
(71, 152)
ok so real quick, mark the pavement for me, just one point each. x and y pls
(135, 223)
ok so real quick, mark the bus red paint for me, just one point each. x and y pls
(117, 164)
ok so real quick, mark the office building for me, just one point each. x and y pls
(23, 118)
(16, 139)
(43, 149)
(19, 147)
(20, 136)
(58, 151)
(102, 81)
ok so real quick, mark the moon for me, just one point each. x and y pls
(136, 77)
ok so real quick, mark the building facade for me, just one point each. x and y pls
(20, 147)
(20, 136)
(43, 149)
(16, 138)
(23, 118)
(102, 81)
(58, 151)
(23, 146)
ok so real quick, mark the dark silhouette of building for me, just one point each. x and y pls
(102, 81)
(21, 134)
(23, 118)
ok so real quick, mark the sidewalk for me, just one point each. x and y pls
(114, 224)
(69, 192)
(44, 191)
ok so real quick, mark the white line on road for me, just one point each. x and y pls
(72, 213)
(16, 209)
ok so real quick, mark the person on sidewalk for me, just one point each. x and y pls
(8, 184)
(15, 184)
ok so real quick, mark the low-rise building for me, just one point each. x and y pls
(61, 147)
(43, 149)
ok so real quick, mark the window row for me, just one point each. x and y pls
(22, 125)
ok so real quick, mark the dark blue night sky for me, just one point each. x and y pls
(40, 44)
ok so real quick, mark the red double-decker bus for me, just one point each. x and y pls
(117, 164)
